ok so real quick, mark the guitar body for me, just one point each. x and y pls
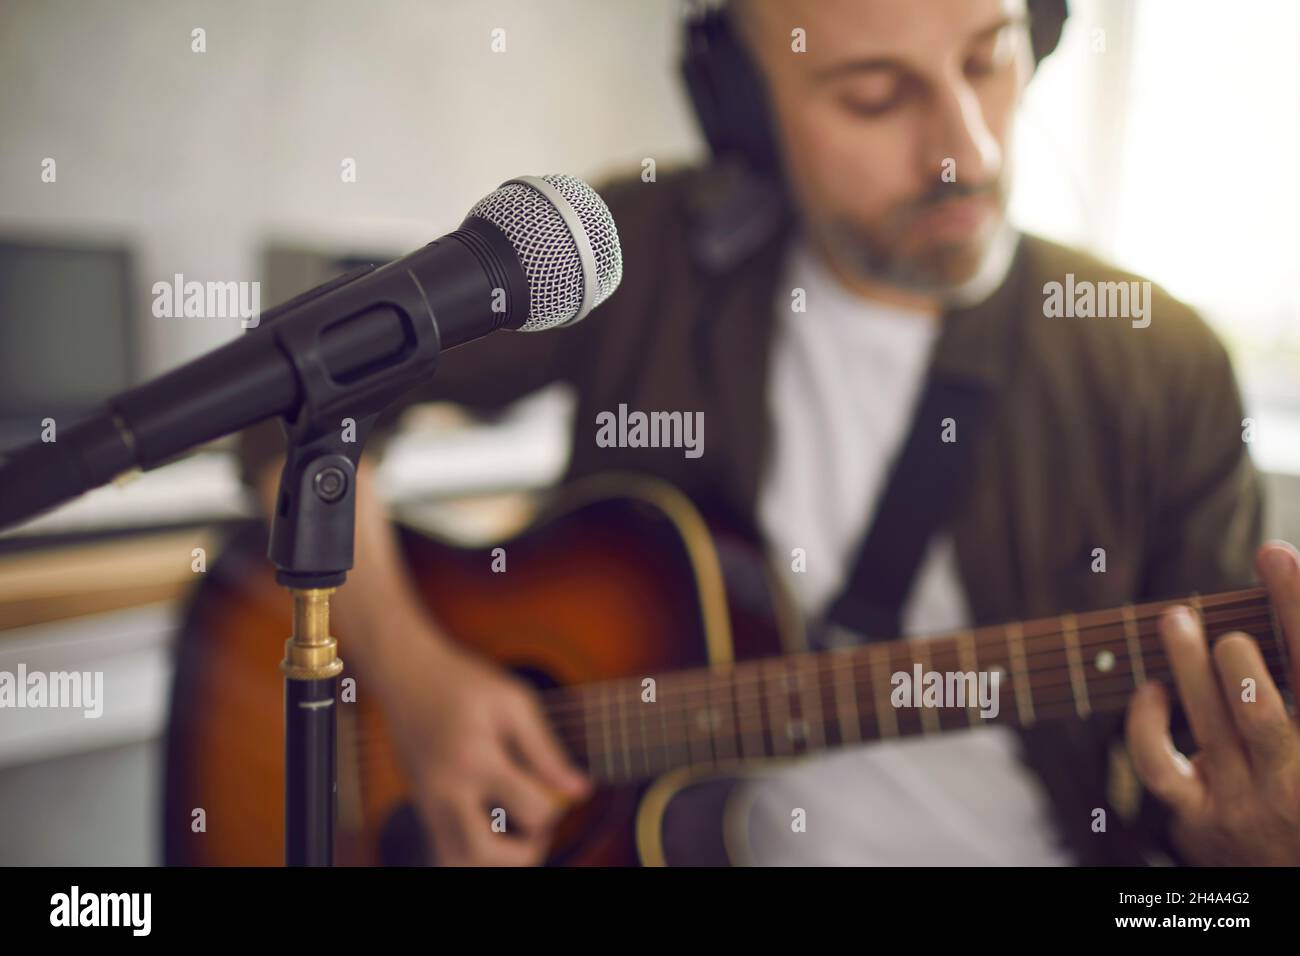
(619, 578)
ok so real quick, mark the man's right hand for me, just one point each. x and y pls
(474, 739)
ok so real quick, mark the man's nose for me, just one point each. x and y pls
(960, 138)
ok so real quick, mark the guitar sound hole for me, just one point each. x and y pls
(535, 678)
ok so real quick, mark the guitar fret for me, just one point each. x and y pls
(734, 690)
(968, 661)
(929, 715)
(778, 726)
(682, 728)
(1134, 645)
(796, 728)
(1078, 682)
(846, 703)
(663, 725)
(704, 718)
(878, 661)
(700, 747)
(814, 731)
(700, 718)
(733, 715)
(589, 737)
(641, 705)
(724, 734)
(764, 711)
(604, 724)
(1015, 635)
(621, 704)
(745, 705)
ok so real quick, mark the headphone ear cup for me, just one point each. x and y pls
(702, 84)
(1046, 21)
(728, 93)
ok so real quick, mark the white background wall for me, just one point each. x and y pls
(199, 157)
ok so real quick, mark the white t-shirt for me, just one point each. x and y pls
(843, 383)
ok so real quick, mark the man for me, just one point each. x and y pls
(893, 125)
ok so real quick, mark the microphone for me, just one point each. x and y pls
(535, 254)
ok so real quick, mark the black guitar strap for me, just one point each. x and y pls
(921, 497)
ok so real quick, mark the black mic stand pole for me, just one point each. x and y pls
(312, 532)
(315, 511)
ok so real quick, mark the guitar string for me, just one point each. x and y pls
(750, 676)
(679, 707)
(698, 749)
(1148, 649)
(655, 759)
(822, 664)
(997, 637)
(827, 718)
(828, 715)
(751, 672)
(1046, 710)
(693, 744)
(828, 663)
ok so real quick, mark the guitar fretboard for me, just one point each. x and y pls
(1068, 667)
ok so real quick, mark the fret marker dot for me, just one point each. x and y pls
(1105, 661)
(796, 729)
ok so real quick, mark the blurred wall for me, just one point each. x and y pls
(200, 156)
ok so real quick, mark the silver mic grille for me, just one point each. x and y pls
(566, 241)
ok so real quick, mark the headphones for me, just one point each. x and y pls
(730, 96)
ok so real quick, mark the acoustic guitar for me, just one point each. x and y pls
(667, 658)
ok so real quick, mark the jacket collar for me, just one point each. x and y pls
(979, 340)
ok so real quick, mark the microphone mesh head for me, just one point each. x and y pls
(548, 251)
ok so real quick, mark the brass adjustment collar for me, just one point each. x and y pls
(311, 654)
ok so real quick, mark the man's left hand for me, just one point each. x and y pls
(1237, 801)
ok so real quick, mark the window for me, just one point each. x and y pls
(1164, 136)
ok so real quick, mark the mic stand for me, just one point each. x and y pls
(312, 533)
(311, 545)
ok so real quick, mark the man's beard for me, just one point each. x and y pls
(940, 267)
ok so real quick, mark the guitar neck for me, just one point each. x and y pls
(1067, 667)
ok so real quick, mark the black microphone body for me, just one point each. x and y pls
(348, 348)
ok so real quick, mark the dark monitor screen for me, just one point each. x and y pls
(65, 332)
